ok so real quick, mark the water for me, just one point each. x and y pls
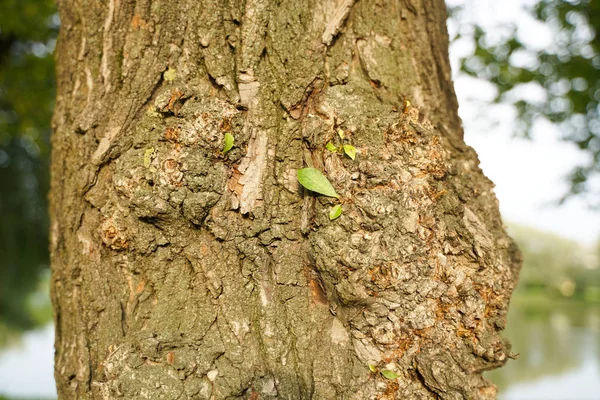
(26, 368)
(559, 346)
(559, 352)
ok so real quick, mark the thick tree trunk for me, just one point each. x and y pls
(183, 272)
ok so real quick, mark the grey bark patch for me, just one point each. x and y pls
(252, 169)
(196, 206)
(443, 376)
(339, 334)
(366, 352)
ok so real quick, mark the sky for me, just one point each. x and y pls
(27, 369)
(529, 174)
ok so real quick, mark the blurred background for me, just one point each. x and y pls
(527, 74)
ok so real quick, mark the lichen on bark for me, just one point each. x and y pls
(181, 271)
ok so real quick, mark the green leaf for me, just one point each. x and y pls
(170, 74)
(148, 156)
(335, 211)
(341, 133)
(389, 374)
(350, 151)
(228, 142)
(331, 147)
(314, 180)
(372, 368)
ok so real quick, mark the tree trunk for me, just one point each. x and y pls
(184, 271)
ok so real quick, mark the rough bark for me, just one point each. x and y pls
(182, 272)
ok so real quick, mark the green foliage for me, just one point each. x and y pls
(555, 266)
(170, 74)
(27, 36)
(350, 151)
(28, 31)
(229, 140)
(567, 73)
(335, 212)
(148, 156)
(347, 149)
(389, 374)
(314, 180)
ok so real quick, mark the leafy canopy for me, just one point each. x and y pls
(28, 31)
(567, 73)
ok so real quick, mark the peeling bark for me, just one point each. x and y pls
(181, 272)
(335, 24)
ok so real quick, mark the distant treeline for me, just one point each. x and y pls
(557, 267)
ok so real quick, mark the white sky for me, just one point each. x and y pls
(27, 370)
(529, 175)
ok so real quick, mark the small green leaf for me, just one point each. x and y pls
(314, 180)
(335, 211)
(331, 147)
(372, 368)
(350, 151)
(228, 142)
(148, 156)
(341, 133)
(170, 74)
(389, 374)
